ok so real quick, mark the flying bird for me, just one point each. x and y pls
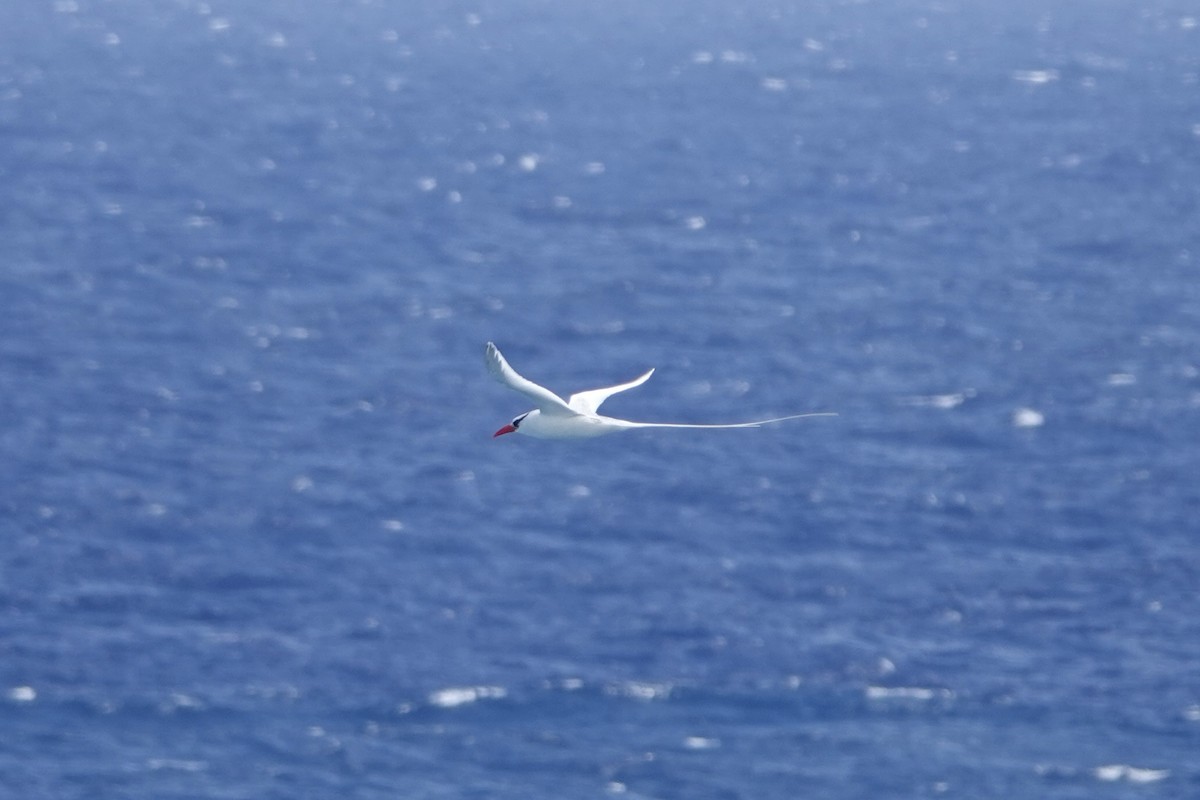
(577, 417)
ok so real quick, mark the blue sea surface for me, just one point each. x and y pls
(256, 538)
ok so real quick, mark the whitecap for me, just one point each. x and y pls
(639, 690)
(455, 696)
(178, 701)
(1117, 772)
(919, 693)
(1139, 775)
(1035, 77)
(22, 694)
(701, 743)
(1028, 418)
(942, 401)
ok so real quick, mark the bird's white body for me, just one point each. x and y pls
(560, 426)
(577, 417)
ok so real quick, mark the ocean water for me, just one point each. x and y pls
(256, 540)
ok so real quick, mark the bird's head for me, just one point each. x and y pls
(515, 425)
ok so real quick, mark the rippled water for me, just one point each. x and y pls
(258, 540)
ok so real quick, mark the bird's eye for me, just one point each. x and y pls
(516, 423)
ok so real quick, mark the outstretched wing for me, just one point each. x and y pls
(588, 402)
(547, 401)
(628, 424)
